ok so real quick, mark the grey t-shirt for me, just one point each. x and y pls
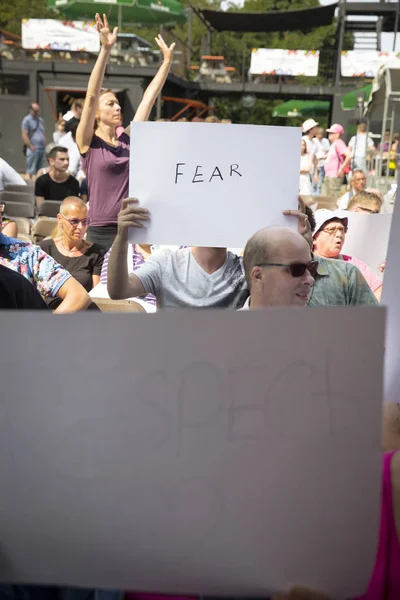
(178, 281)
(35, 129)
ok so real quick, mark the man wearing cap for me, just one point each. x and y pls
(279, 268)
(309, 128)
(339, 156)
(328, 239)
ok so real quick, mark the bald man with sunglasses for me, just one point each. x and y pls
(279, 268)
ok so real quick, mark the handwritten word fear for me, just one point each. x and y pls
(201, 174)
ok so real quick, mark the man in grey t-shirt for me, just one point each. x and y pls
(185, 278)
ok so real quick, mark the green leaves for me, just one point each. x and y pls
(11, 13)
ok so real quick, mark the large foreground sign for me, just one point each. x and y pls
(195, 452)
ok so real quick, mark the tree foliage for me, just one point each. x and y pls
(11, 13)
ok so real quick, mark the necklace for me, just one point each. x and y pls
(70, 252)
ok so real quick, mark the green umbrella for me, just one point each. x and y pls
(302, 108)
(349, 101)
(141, 12)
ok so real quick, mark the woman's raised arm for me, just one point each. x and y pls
(156, 85)
(84, 133)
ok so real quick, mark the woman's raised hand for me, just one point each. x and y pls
(107, 38)
(167, 51)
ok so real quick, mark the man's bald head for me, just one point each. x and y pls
(268, 259)
(34, 108)
(270, 244)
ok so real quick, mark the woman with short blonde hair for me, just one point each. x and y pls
(69, 248)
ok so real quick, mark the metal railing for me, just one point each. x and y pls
(234, 68)
(382, 169)
(238, 69)
(138, 57)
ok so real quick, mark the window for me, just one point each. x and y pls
(14, 84)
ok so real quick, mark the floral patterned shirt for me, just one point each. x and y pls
(34, 264)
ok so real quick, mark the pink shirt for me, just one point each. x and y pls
(373, 280)
(385, 580)
(336, 156)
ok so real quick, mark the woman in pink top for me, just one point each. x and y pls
(105, 155)
(339, 157)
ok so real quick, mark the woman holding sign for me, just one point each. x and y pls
(105, 155)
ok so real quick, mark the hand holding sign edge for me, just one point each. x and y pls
(131, 215)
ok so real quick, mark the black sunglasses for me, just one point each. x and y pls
(295, 269)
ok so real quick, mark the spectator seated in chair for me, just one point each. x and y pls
(365, 202)
(279, 268)
(57, 184)
(48, 277)
(17, 293)
(183, 278)
(9, 227)
(80, 258)
(329, 238)
(9, 176)
(337, 282)
(358, 184)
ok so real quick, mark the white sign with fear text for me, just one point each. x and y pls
(209, 184)
(192, 452)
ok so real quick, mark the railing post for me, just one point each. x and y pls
(342, 22)
(396, 25)
(190, 38)
(244, 67)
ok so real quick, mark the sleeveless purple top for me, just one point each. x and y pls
(107, 173)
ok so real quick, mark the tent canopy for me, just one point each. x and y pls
(302, 108)
(143, 12)
(349, 101)
(270, 21)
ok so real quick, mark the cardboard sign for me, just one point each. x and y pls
(367, 238)
(210, 184)
(390, 297)
(193, 452)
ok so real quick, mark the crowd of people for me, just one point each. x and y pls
(279, 266)
(327, 164)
